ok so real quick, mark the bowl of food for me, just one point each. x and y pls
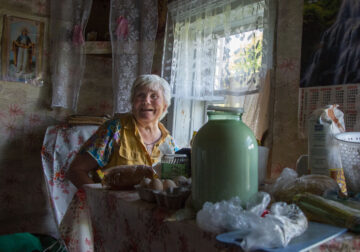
(167, 193)
(145, 193)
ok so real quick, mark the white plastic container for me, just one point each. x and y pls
(263, 159)
(323, 124)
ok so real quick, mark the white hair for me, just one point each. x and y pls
(154, 82)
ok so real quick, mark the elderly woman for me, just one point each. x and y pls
(136, 138)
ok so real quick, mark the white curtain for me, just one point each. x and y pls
(133, 26)
(68, 19)
(219, 51)
(215, 48)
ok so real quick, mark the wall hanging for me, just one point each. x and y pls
(133, 26)
(68, 19)
(22, 50)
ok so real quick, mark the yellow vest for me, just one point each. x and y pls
(131, 150)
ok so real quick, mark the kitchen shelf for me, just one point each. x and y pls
(98, 47)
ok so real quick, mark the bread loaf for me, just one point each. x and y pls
(315, 184)
(126, 176)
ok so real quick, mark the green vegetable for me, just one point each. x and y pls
(328, 211)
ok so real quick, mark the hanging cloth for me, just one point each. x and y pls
(68, 19)
(133, 26)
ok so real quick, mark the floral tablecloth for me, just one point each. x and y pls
(123, 222)
(61, 144)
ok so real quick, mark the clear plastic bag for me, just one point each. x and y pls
(275, 229)
(288, 184)
(324, 124)
(230, 215)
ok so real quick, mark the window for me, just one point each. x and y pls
(238, 66)
(216, 52)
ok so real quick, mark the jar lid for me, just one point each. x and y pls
(226, 109)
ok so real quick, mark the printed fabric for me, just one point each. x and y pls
(118, 142)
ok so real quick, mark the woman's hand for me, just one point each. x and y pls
(78, 172)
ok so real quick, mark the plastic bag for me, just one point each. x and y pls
(230, 215)
(288, 184)
(324, 159)
(276, 229)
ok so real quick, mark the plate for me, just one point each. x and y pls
(315, 234)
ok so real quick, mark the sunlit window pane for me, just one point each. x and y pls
(238, 61)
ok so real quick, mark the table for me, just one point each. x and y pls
(123, 222)
(120, 221)
(97, 219)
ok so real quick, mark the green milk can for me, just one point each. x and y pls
(224, 158)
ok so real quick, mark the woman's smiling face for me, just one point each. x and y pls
(148, 104)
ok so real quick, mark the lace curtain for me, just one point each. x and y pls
(133, 26)
(68, 19)
(216, 48)
(219, 52)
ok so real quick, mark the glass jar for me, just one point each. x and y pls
(224, 159)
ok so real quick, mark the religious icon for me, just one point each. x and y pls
(22, 46)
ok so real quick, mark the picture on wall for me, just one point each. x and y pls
(330, 43)
(22, 48)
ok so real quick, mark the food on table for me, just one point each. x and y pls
(182, 180)
(156, 184)
(166, 192)
(145, 182)
(315, 184)
(126, 176)
(168, 184)
(317, 208)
